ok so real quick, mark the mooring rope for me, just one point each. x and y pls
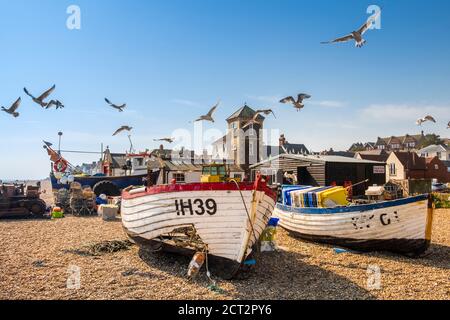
(246, 209)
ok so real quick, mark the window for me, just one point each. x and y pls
(251, 147)
(438, 154)
(395, 146)
(436, 167)
(140, 162)
(179, 177)
(237, 176)
(222, 171)
(214, 171)
(381, 147)
(392, 170)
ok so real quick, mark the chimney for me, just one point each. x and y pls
(282, 140)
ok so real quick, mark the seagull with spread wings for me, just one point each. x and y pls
(209, 115)
(266, 112)
(297, 104)
(169, 140)
(425, 119)
(13, 109)
(40, 100)
(122, 128)
(358, 34)
(58, 104)
(115, 106)
(255, 119)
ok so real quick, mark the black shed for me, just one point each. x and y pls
(323, 170)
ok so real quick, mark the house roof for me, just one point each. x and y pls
(434, 148)
(288, 148)
(410, 160)
(245, 113)
(185, 166)
(317, 159)
(373, 155)
(400, 139)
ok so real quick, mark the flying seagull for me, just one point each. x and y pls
(266, 112)
(58, 104)
(357, 35)
(169, 140)
(12, 110)
(208, 116)
(425, 119)
(297, 104)
(122, 128)
(115, 106)
(40, 100)
(255, 120)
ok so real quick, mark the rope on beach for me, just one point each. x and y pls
(246, 209)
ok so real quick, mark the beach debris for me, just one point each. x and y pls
(209, 115)
(215, 288)
(13, 109)
(297, 104)
(101, 248)
(169, 140)
(425, 119)
(40, 100)
(340, 250)
(115, 106)
(268, 243)
(196, 264)
(357, 35)
(122, 128)
(39, 263)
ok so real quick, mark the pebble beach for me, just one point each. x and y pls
(37, 257)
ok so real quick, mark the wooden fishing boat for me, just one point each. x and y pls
(400, 226)
(224, 219)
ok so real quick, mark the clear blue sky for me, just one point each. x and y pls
(171, 60)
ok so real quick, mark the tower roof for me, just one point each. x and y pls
(244, 113)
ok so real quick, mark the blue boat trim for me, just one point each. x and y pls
(359, 208)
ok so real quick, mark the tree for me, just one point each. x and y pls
(430, 139)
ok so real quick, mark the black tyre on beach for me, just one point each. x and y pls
(37, 207)
(107, 188)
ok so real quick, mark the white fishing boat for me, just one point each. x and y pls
(401, 226)
(224, 219)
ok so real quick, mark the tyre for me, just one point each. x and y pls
(37, 208)
(107, 188)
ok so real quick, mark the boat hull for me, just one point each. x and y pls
(227, 220)
(400, 226)
(121, 182)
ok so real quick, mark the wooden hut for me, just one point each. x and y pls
(322, 170)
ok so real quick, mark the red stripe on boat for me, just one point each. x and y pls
(201, 187)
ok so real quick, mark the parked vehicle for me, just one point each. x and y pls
(439, 187)
(17, 200)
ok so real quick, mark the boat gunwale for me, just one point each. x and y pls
(352, 209)
(199, 187)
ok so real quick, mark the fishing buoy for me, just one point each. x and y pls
(63, 180)
(70, 179)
